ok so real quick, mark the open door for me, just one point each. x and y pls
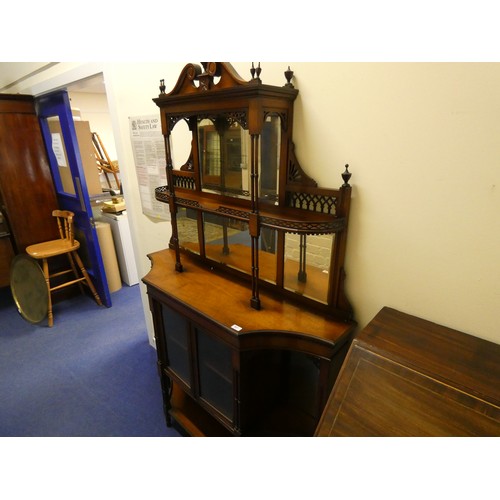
(59, 135)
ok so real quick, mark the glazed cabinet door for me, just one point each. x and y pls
(177, 344)
(201, 364)
(215, 369)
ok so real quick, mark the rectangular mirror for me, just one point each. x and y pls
(269, 160)
(268, 244)
(307, 264)
(224, 150)
(187, 229)
(227, 241)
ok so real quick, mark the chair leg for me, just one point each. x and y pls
(47, 280)
(75, 272)
(87, 277)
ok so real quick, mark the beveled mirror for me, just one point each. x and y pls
(223, 148)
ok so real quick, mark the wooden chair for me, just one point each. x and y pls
(65, 245)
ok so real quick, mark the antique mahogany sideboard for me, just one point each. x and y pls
(250, 316)
(405, 376)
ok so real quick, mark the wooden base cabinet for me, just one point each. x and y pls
(227, 369)
(405, 376)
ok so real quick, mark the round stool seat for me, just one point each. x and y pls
(29, 288)
(52, 248)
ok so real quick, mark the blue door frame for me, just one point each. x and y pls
(62, 149)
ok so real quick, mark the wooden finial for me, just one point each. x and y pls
(289, 76)
(346, 176)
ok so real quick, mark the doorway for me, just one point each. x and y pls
(90, 112)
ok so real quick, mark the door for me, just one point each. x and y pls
(59, 135)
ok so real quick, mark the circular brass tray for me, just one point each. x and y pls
(29, 288)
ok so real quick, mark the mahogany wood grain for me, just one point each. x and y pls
(210, 294)
(6, 255)
(26, 187)
(405, 376)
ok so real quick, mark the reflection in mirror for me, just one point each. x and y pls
(187, 230)
(224, 157)
(180, 146)
(227, 241)
(270, 159)
(267, 254)
(307, 264)
(59, 150)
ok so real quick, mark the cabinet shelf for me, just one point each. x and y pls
(288, 219)
(193, 419)
(283, 323)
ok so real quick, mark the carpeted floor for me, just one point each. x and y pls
(92, 374)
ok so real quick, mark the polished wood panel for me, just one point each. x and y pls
(6, 255)
(6, 251)
(26, 187)
(284, 323)
(405, 376)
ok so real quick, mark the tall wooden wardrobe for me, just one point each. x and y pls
(27, 194)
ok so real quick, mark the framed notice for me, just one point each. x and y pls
(150, 164)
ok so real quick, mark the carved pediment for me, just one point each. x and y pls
(210, 75)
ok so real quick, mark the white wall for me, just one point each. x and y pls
(94, 109)
(423, 143)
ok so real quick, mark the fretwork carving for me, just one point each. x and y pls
(295, 174)
(314, 202)
(184, 182)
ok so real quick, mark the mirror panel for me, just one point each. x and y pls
(268, 245)
(187, 229)
(270, 159)
(180, 144)
(224, 150)
(307, 264)
(227, 241)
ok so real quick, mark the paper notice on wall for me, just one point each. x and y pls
(58, 148)
(149, 157)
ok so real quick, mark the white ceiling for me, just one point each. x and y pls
(11, 72)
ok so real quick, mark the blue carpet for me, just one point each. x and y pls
(92, 374)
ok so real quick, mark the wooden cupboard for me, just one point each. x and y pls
(27, 192)
(227, 369)
(405, 376)
(6, 252)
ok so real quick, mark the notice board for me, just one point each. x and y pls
(150, 163)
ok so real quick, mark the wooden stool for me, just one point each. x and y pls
(66, 245)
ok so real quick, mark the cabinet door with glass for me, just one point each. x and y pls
(201, 364)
